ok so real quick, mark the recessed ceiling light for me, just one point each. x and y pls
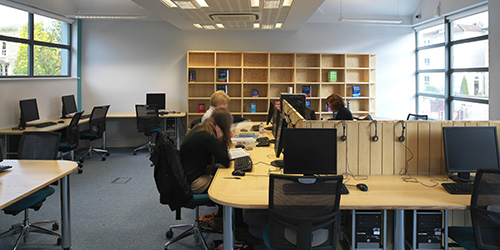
(271, 4)
(278, 25)
(202, 3)
(287, 3)
(267, 26)
(209, 27)
(197, 25)
(255, 3)
(185, 5)
(169, 3)
(256, 25)
(370, 20)
(220, 25)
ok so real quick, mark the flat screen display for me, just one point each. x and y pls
(298, 101)
(68, 105)
(157, 99)
(29, 110)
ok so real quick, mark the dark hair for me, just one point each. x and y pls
(335, 102)
(222, 118)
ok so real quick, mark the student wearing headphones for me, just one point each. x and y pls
(337, 104)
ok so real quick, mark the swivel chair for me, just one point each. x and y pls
(34, 146)
(303, 212)
(485, 214)
(70, 142)
(148, 123)
(415, 117)
(174, 190)
(97, 130)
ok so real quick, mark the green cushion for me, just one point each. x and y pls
(464, 236)
(30, 200)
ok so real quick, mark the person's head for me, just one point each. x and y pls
(335, 102)
(223, 119)
(219, 99)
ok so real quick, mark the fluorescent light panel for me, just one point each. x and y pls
(185, 5)
(197, 25)
(278, 25)
(169, 3)
(267, 26)
(287, 3)
(370, 20)
(255, 3)
(256, 25)
(271, 4)
(202, 3)
(220, 25)
(209, 27)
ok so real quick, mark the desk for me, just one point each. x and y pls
(386, 192)
(26, 177)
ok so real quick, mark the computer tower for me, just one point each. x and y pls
(364, 229)
(423, 229)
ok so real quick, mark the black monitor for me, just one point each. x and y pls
(29, 112)
(298, 101)
(157, 99)
(310, 151)
(68, 105)
(467, 149)
(276, 118)
(270, 112)
(310, 114)
(281, 124)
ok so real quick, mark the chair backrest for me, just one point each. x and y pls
(97, 122)
(485, 208)
(300, 207)
(414, 117)
(73, 130)
(147, 118)
(38, 145)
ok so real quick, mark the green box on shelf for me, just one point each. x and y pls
(332, 76)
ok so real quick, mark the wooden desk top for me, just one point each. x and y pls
(58, 126)
(27, 176)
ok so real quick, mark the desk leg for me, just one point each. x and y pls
(65, 213)
(399, 229)
(228, 228)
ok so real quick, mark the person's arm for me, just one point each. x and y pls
(217, 149)
(207, 114)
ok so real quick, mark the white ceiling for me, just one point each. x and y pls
(302, 11)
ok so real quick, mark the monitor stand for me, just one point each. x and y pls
(462, 177)
(277, 163)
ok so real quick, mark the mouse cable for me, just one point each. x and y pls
(348, 169)
(404, 170)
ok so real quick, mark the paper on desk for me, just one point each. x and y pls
(244, 124)
(237, 153)
(246, 141)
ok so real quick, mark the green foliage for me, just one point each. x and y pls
(464, 89)
(47, 60)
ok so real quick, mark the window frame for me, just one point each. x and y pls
(448, 70)
(31, 42)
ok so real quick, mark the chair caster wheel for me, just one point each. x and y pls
(80, 171)
(59, 241)
(103, 158)
(82, 160)
(107, 154)
(169, 234)
(135, 152)
(55, 226)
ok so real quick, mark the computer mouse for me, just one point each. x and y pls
(362, 187)
(240, 146)
(238, 173)
(244, 130)
(60, 121)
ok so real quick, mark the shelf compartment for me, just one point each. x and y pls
(307, 75)
(314, 89)
(192, 117)
(234, 74)
(281, 75)
(357, 75)
(359, 105)
(233, 90)
(324, 107)
(255, 117)
(255, 75)
(248, 90)
(201, 59)
(340, 75)
(193, 105)
(275, 90)
(357, 61)
(203, 74)
(307, 60)
(280, 60)
(255, 60)
(364, 90)
(315, 104)
(200, 90)
(234, 105)
(228, 59)
(261, 105)
(332, 60)
(328, 89)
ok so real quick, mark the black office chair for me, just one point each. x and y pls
(148, 123)
(70, 142)
(303, 212)
(485, 214)
(175, 191)
(34, 146)
(415, 117)
(97, 130)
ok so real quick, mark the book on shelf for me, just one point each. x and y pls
(306, 89)
(223, 75)
(332, 76)
(192, 76)
(327, 108)
(201, 108)
(222, 87)
(253, 107)
(356, 91)
(277, 104)
(308, 103)
(255, 93)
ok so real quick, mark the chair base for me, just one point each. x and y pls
(103, 152)
(148, 146)
(196, 228)
(25, 228)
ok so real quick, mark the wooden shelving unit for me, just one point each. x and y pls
(274, 73)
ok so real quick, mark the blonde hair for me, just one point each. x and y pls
(219, 98)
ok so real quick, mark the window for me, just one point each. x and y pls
(452, 67)
(34, 45)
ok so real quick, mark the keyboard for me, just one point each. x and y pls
(343, 189)
(44, 124)
(458, 187)
(85, 116)
(255, 128)
(243, 164)
(262, 141)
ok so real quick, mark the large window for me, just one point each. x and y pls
(452, 68)
(33, 45)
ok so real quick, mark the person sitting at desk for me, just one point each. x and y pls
(219, 99)
(337, 104)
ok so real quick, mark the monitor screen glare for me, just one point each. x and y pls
(157, 99)
(29, 111)
(68, 105)
(467, 149)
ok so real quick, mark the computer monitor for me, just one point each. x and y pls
(298, 101)
(270, 113)
(281, 124)
(68, 105)
(310, 114)
(467, 149)
(310, 151)
(29, 112)
(276, 118)
(157, 99)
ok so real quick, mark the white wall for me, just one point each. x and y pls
(494, 37)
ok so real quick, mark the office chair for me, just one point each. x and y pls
(195, 122)
(303, 212)
(70, 142)
(415, 117)
(175, 191)
(485, 214)
(97, 130)
(148, 123)
(34, 146)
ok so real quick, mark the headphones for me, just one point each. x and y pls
(375, 137)
(402, 137)
(343, 137)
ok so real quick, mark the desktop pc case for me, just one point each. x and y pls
(364, 229)
(423, 229)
